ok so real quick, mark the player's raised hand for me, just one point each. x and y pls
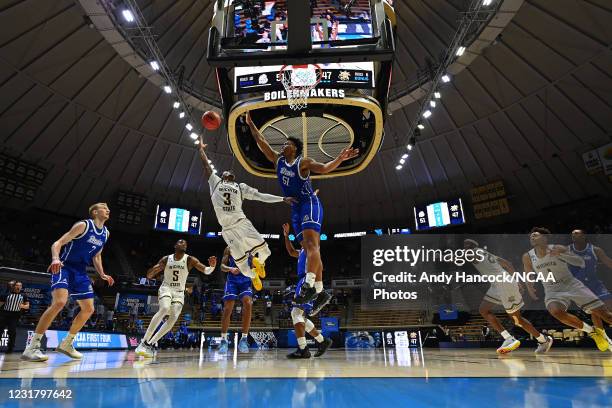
(289, 200)
(348, 153)
(55, 266)
(212, 261)
(108, 279)
(286, 229)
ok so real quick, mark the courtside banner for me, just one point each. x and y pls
(85, 340)
(124, 302)
(421, 272)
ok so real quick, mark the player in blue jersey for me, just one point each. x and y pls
(80, 247)
(588, 275)
(301, 325)
(293, 173)
(237, 286)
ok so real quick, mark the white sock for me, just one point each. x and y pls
(245, 335)
(310, 279)
(541, 338)
(586, 328)
(224, 336)
(69, 337)
(36, 339)
(506, 335)
(318, 286)
(319, 338)
(301, 342)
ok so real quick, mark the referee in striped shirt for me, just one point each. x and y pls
(11, 306)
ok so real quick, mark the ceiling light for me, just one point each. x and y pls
(409, 147)
(486, 2)
(398, 167)
(402, 161)
(127, 14)
(167, 89)
(196, 142)
(194, 136)
(176, 105)
(437, 95)
(189, 127)
(445, 78)
(154, 65)
(405, 156)
(421, 126)
(427, 114)
(460, 51)
(432, 104)
(181, 115)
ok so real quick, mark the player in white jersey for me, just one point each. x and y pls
(238, 232)
(171, 295)
(508, 295)
(545, 258)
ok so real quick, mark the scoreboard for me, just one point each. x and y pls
(357, 75)
(440, 214)
(178, 219)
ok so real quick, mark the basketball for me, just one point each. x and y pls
(211, 120)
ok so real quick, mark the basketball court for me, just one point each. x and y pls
(349, 377)
(471, 122)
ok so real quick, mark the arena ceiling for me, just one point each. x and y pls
(524, 111)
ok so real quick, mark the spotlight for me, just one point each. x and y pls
(405, 156)
(409, 147)
(427, 114)
(196, 142)
(398, 167)
(460, 51)
(127, 14)
(402, 161)
(487, 2)
(189, 127)
(167, 89)
(194, 136)
(177, 105)
(420, 126)
(437, 95)
(432, 103)
(445, 78)
(154, 65)
(181, 115)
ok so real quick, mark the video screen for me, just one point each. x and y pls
(440, 214)
(265, 22)
(178, 219)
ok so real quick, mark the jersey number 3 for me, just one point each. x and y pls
(228, 199)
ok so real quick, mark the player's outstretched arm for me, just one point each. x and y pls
(507, 265)
(207, 169)
(310, 165)
(157, 268)
(76, 230)
(262, 143)
(288, 245)
(97, 262)
(251, 193)
(194, 262)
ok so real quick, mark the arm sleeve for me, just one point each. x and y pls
(251, 193)
(213, 180)
(572, 259)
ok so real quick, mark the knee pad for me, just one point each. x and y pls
(297, 315)
(309, 326)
